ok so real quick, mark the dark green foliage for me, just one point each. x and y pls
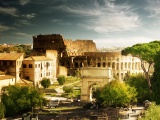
(2, 110)
(19, 100)
(146, 53)
(140, 83)
(156, 79)
(61, 79)
(45, 83)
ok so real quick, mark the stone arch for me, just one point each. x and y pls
(90, 90)
(113, 65)
(98, 64)
(76, 64)
(109, 64)
(91, 76)
(104, 64)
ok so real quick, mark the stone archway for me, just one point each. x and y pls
(90, 76)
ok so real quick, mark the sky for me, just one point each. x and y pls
(109, 23)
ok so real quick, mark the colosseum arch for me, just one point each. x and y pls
(91, 76)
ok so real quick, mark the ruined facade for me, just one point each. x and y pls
(78, 47)
(120, 65)
(83, 53)
(41, 43)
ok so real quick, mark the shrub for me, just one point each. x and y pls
(45, 83)
(61, 79)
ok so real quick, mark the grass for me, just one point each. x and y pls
(69, 79)
(51, 90)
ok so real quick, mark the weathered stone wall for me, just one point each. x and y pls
(80, 46)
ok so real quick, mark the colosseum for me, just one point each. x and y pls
(75, 54)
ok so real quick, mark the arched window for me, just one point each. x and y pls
(76, 64)
(109, 64)
(99, 64)
(113, 65)
(104, 64)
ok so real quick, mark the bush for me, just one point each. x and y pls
(45, 83)
(61, 79)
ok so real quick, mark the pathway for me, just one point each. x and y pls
(59, 90)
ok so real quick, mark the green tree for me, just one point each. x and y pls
(118, 93)
(61, 79)
(155, 80)
(45, 82)
(152, 113)
(68, 89)
(2, 110)
(18, 99)
(140, 83)
(146, 53)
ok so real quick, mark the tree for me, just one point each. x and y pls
(19, 100)
(2, 110)
(61, 79)
(118, 93)
(146, 53)
(45, 82)
(155, 80)
(139, 82)
(68, 89)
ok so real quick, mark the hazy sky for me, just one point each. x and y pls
(107, 22)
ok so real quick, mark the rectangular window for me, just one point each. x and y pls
(27, 77)
(4, 62)
(30, 65)
(24, 66)
(35, 65)
(11, 63)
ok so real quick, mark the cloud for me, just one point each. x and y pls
(22, 22)
(9, 11)
(105, 18)
(4, 28)
(23, 2)
(23, 35)
(29, 16)
(56, 20)
(153, 8)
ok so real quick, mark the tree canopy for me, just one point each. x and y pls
(146, 53)
(155, 80)
(18, 99)
(118, 93)
(139, 82)
(152, 113)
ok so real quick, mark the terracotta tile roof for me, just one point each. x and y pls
(38, 58)
(10, 56)
(4, 77)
